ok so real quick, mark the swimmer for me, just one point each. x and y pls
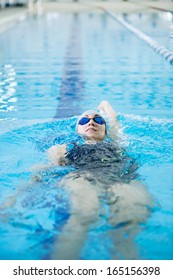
(104, 175)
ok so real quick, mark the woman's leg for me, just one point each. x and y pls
(84, 212)
(131, 206)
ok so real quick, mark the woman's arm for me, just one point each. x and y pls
(56, 154)
(112, 117)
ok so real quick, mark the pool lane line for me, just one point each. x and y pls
(72, 82)
(164, 52)
(153, 7)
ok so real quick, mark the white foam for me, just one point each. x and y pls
(146, 119)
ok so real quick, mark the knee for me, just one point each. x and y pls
(130, 215)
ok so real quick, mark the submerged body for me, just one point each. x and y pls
(128, 205)
(104, 175)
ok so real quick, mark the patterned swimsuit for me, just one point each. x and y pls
(104, 161)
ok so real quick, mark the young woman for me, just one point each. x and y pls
(104, 176)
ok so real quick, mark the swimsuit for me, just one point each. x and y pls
(104, 162)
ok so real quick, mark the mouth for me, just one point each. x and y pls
(90, 129)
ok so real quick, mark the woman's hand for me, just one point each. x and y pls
(107, 109)
(112, 117)
(103, 105)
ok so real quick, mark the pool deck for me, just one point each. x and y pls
(10, 16)
(116, 6)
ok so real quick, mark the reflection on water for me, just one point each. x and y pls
(8, 86)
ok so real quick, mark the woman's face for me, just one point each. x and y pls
(92, 130)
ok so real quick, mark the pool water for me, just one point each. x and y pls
(49, 77)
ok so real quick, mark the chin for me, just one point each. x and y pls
(95, 138)
(91, 135)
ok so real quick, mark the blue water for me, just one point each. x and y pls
(47, 78)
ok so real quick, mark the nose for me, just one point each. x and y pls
(91, 122)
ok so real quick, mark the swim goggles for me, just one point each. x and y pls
(98, 120)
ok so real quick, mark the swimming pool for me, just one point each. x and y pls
(47, 78)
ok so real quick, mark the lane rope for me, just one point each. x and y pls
(164, 52)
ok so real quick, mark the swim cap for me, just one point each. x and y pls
(90, 112)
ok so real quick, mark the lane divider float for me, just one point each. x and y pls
(164, 52)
